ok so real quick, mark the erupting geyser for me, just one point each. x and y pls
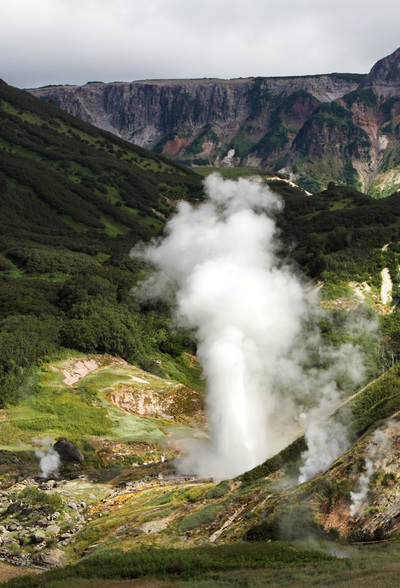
(246, 307)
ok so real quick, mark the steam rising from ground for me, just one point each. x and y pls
(247, 308)
(49, 458)
(377, 447)
(358, 498)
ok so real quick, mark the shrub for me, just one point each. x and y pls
(34, 497)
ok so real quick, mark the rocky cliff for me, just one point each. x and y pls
(201, 121)
(341, 127)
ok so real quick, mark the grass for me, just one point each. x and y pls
(113, 228)
(133, 428)
(83, 412)
(278, 564)
(205, 516)
(228, 173)
(186, 564)
(185, 369)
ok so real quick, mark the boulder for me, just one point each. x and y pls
(68, 451)
(52, 558)
(53, 529)
(13, 526)
(38, 537)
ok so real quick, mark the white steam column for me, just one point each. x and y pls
(220, 258)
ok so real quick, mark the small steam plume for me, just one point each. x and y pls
(358, 498)
(377, 447)
(49, 458)
(247, 308)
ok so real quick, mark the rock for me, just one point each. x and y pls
(72, 504)
(53, 529)
(52, 558)
(38, 536)
(12, 527)
(48, 485)
(14, 507)
(68, 451)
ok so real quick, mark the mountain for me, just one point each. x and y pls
(203, 121)
(385, 75)
(102, 183)
(315, 129)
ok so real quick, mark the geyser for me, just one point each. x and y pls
(246, 307)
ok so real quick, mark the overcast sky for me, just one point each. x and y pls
(75, 41)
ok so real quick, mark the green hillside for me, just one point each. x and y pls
(73, 202)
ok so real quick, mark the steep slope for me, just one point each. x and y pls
(73, 202)
(354, 140)
(316, 129)
(197, 120)
(385, 75)
(72, 176)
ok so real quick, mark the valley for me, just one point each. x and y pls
(88, 362)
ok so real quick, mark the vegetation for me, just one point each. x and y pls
(177, 564)
(74, 200)
(339, 233)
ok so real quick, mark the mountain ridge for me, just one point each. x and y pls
(348, 124)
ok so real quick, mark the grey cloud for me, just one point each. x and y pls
(71, 41)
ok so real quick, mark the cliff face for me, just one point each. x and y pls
(341, 127)
(195, 119)
(385, 75)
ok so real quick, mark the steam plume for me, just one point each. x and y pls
(358, 498)
(378, 446)
(246, 307)
(49, 458)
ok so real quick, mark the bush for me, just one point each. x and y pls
(34, 497)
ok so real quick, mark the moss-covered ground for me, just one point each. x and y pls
(85, 414)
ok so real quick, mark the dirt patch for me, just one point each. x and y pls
(75, 369)
(110, 452)
(175, 146)
(155, 526)
(8, 571)
(382, 308)
(387, 286)
(142, 402)
(340, 303)
(177, 402)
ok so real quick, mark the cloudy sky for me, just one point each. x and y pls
(75, 41)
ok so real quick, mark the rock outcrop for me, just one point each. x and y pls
(202, 121)
(340, 127)
(68, 451)
(385, 75)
